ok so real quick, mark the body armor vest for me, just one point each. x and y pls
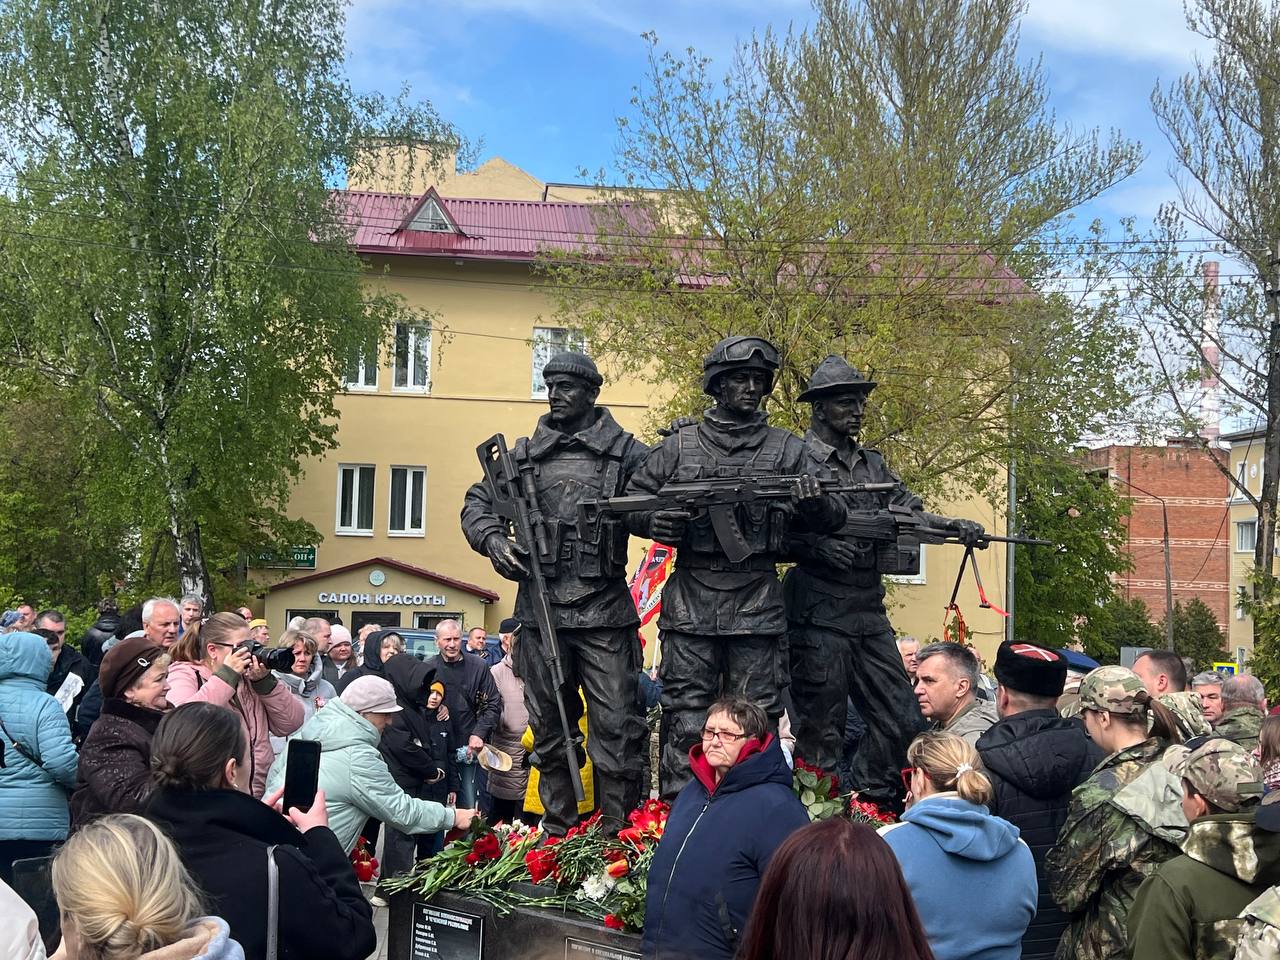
(763, 523)
(562, 480)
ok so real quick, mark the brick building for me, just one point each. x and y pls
(1195, 494)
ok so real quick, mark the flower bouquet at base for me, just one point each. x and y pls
(591, 871)
(819, 791)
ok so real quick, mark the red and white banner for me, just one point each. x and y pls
(647, 581)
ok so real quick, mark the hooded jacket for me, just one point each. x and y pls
(475, 705)
(371, 662)
(1123, 822)
(115, 763)
(1190, 907)
(223, 836)
(103, 629)
(308, 690)
(264, 706)
(960, 863)
(33, 795)
(1260, 937)
(718, 841)
(1034, 760)
(414, 757)
(356, 782)
(1240, 725)
(971, 722)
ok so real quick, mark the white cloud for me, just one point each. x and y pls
(1150, 30)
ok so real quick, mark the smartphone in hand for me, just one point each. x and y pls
(301, 774)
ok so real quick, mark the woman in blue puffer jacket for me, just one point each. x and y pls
(722, 830)
(39, 758)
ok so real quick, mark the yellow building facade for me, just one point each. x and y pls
(391, 491)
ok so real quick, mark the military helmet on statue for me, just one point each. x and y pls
(573, 364)
(834, 376)
(739, 353)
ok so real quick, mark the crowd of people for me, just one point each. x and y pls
(1094, 816)
(1052, 812)
(169, 730)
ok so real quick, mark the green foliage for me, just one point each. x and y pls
(878, 187)
(1082, 514)
(1263, 605)
(1196, 634)
(1119, 622)
(173, 264)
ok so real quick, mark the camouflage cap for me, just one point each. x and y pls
(1224, 773)
(1114, 689)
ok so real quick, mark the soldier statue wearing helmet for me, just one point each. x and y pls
(577, 452)
(723, 626)
(842, 644)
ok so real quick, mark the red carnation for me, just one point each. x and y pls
(613, 923)
(487, 847)
(542, 864)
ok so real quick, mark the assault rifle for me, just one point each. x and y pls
(718, 498)
(515, 499)
(896, 523)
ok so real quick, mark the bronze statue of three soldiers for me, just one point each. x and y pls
(735, 497)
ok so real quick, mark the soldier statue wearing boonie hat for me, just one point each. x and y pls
(842, 643)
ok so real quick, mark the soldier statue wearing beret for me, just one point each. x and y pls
(842, 644)
(577, 452)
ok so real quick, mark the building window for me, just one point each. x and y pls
(362, 372)
(355, 499)
(413, 357)
(546, 342)
(1246, 536)
(1240, 598)
(919, 578)
(408, 498)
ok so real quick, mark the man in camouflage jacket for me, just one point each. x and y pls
(1243, 705)
(1189, 909)
(1260, 936)
(1164, 675)
(1124, 821)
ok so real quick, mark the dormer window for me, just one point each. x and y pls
(431, 217)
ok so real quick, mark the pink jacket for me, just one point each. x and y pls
(277, 711)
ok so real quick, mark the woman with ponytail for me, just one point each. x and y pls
(1124, 821)
(212, 663)
(123, 894)
(229, 842)
(959, 861)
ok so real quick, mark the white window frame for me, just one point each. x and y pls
(1241, 527)
(547, 341)
(408, 531)
(354, 529)
(418, 346)
(1242, 478)
(919, 578)
(365, 365)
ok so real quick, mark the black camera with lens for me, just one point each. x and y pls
(273, 658)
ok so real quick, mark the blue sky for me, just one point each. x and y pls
(542, 81)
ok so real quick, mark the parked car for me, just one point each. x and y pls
(422, 643)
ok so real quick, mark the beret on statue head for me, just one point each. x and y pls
(1030, 669)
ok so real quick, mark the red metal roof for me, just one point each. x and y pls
(488, 596)
(521, 230)
(491, 229)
